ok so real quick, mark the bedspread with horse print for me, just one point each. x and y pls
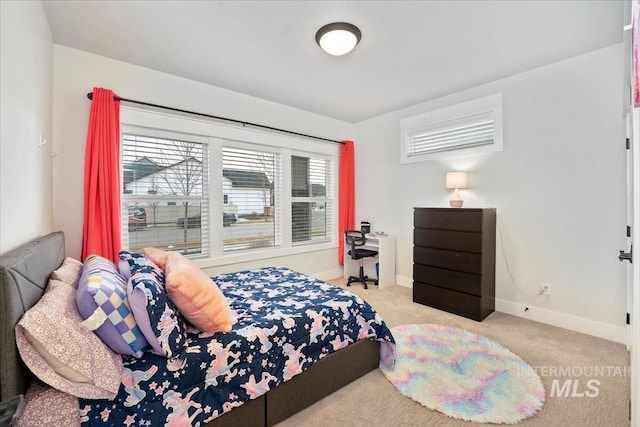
(286, 322)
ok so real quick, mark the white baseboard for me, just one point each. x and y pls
(562, 320)
(329, 275)
(549, 317)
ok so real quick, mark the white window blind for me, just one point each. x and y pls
(312, 199)
(467, 132)
(473, 127)
(250, 180)
(165, 193)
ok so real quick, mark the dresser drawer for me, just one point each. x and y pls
(452, 260)
(454, 280)
(449, 219)
(445, 299)
(445, 239)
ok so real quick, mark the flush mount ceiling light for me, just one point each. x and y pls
(338, 38)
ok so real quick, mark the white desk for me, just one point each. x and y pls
(386, 247)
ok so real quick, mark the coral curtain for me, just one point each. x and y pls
(346, 197)
(101, 229)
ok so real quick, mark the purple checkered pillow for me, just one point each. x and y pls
(102, 302)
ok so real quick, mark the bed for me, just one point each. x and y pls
(24, 274)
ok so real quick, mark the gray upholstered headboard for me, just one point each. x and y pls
(24, 274)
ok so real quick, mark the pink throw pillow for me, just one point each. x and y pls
(197, 297)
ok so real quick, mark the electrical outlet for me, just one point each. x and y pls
(546, 289)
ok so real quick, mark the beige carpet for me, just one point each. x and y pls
(373, 401)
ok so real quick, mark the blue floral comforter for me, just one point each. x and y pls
(286, 322)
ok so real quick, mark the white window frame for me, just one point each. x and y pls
(220, 134)
(488, 108)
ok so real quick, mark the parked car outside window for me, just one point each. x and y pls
(195, 220)
(228, 219)
(137, 218)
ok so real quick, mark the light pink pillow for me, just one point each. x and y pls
(69, 272)
(62, 353)
(197, 297)
(46, 406)
(157, 256)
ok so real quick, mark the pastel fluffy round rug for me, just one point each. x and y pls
(464, 375)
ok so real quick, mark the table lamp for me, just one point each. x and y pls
(456, 181)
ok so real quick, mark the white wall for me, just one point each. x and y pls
(558, 186)
(26, 59)
(77, 72)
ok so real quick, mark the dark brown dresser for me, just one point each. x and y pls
(454, 259)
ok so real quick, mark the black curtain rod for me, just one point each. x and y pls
(243, 123)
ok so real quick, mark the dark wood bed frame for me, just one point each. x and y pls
(24, 274)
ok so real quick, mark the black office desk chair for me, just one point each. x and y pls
(356, 238)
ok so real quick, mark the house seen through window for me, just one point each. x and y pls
(249, 186)
(309, 202)
(165, 193)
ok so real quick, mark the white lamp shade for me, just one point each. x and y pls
(457, 180)
(338, 38)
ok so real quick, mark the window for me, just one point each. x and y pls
(222, 193)
(165, 197)
(310, 201)
(249, 183)
(474, 127)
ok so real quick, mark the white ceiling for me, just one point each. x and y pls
(410, 52)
